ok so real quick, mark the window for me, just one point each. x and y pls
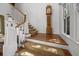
(66, 19)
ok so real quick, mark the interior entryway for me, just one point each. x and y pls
(39, 29)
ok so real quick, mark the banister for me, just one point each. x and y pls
(21, 13)
(22, 22)
(17, 9)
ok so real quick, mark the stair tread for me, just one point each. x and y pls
(32, 30)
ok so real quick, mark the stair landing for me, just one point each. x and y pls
(54, 38)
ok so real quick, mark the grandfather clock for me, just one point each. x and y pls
(48, 14)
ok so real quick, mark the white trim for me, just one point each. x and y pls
(68, 36)
(77, 42)
(48, 43)
(65, 20)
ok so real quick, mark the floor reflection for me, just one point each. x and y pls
(49, 38)
(34, 49)
(26, 54)
(36, 46)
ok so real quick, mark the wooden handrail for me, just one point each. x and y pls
(22, 22)
(21, 13)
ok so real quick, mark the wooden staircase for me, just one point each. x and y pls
(32, 30)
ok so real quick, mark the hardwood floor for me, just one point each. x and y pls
(35, 49)
(1, 48)
(54, 38)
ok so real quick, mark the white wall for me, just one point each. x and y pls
(72, 43)
(5, 9)
(36, 15)
(77, 21)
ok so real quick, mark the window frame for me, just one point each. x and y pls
(65, 16)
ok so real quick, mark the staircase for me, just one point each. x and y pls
(32, 30)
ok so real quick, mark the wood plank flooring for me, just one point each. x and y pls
(1, 48)
(35, 49)
(54, 38)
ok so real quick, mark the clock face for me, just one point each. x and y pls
(48, 10)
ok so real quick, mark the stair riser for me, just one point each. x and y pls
(33, 31)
